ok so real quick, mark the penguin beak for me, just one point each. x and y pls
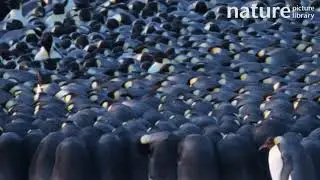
(268, 144)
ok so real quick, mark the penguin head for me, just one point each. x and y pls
(14, 24)
(85, 15)
(80, 4)
(58, 8)
(46, 41)
(285, 142)
(271, 142)
(31, 38)
(82, 41)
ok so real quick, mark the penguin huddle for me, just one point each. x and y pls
(161, 90)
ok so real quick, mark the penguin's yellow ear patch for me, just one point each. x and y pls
(145, 139)
(67, 98)
(105, 104)
(276, 86)
(296, 104)
(128, 84)
(70, 107)
(243, 77)
(63, 125)
(216, 50)
(266, 114)
(277, 140)
(192, 81)
(261, 53)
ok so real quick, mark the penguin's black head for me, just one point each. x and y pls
(40, 26)
(68, 21)
(74, 35)
(32, 38)
(14, 24)
(200, 7)
(102, 45)
(95, 25)
(82, 41)
(85, 15)
(10, 65)
(80, 4)
(65, 43)
(270, 142)
(22, 46)
(14, 4)
(46, 40)
(137, 6)
(58, 8)
(112, 23)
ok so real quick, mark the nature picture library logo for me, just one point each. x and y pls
(296, 12)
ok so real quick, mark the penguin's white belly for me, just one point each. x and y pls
(155, 67)
(275, 163)
(41, 55)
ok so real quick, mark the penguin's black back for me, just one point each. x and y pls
(71, 161)
(44, 158)
(12, 164)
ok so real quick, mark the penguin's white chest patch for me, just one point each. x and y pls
(155, 67)
(275, 163)
(42, 55)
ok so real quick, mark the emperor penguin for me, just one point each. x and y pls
(48, 53)
(287, 158)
